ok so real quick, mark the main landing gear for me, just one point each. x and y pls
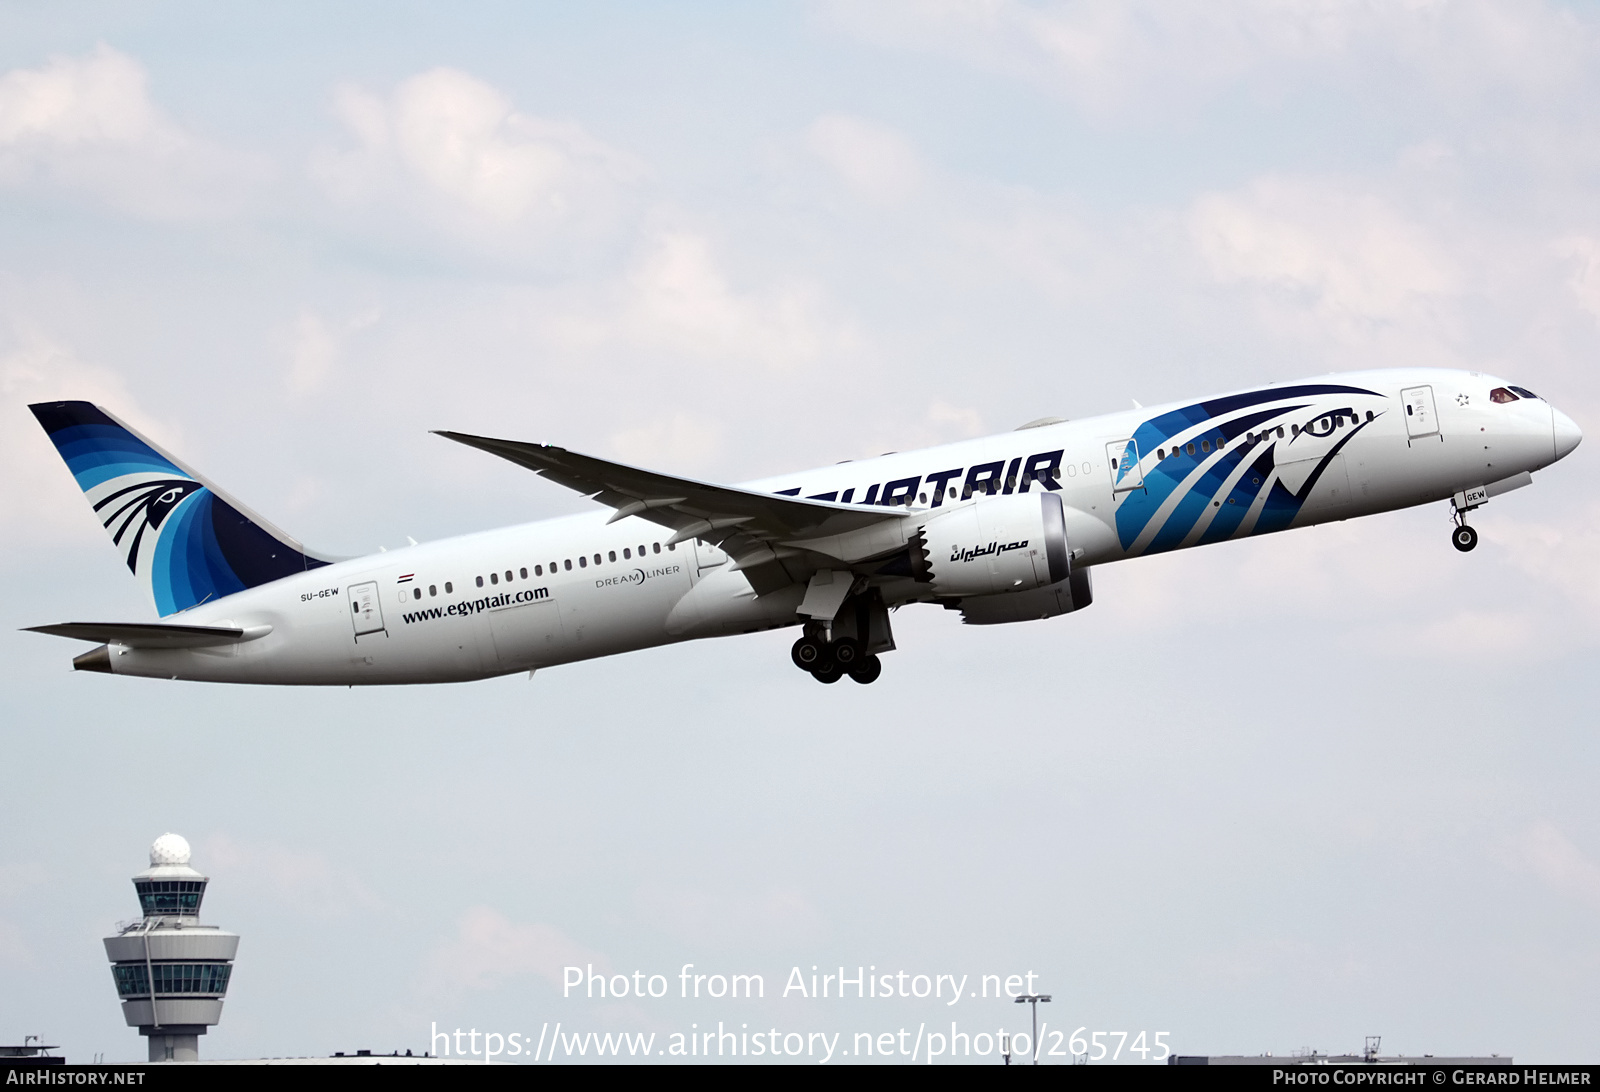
(829, 661)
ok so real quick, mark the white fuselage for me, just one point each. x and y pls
(576, 588)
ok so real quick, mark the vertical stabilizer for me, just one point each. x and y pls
(176, 530)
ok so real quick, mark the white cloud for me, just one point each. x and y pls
(305, 881)
(1543, 850)
(44, 502)
(681, 441)
(451, 148)
(490, 948)
(88, 124)
(1110, 56)
(1584, 253)
(1342, 252)
(315, 346)
(680, 299)
(14, 948)
(1561, 556)
(875, 161)
(704, 917)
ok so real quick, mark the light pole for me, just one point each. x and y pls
(1033, 1000)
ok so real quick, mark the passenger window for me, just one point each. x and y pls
(672, 545)
(583, 562)
(626, 553)
(524, 573)
(416, 593)
(509, 577)
(433, 590)
(480, 581)
(597, 559)
(1500, 394)
(449, 589)
(1369, 415)
(1205, 446)
(538, 570)
(1161, 453)
(567, 564)
(1295, 429)
(952, 493)
(1280, 432)
(612, 555)
(656, 546)
(922, 498)
(494, 578)
(1189, 448)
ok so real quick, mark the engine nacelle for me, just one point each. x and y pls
(1073, 593)
(995, 546)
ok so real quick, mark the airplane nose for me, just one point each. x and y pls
(1567, 433)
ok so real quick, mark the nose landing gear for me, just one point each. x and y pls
(1464, 538)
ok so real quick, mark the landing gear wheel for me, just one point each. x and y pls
(867, 670)
(1463, 538)
(827, 673)
(847, 652)
(808, 653)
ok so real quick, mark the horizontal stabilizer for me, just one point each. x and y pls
(152, 634)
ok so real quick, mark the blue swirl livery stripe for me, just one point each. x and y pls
(191, 545)
(1197, 425)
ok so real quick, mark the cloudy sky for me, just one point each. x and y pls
(1263, 796)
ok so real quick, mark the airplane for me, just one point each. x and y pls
(1004, 528)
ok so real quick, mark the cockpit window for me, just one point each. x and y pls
(1525, 392)
(1500, 394)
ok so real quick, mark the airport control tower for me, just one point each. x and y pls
(188, 963)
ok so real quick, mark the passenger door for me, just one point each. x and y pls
(1421, 417)
(365, 612)
(1122, 456)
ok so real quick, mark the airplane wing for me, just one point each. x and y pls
(750, 526)
(151, 634)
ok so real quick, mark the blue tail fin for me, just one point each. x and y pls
(192, 543)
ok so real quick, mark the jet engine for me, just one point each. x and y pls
(994, 546)
(1073, 593)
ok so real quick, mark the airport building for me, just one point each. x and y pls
(171, 971)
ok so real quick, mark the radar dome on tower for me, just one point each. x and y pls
(169, 849)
